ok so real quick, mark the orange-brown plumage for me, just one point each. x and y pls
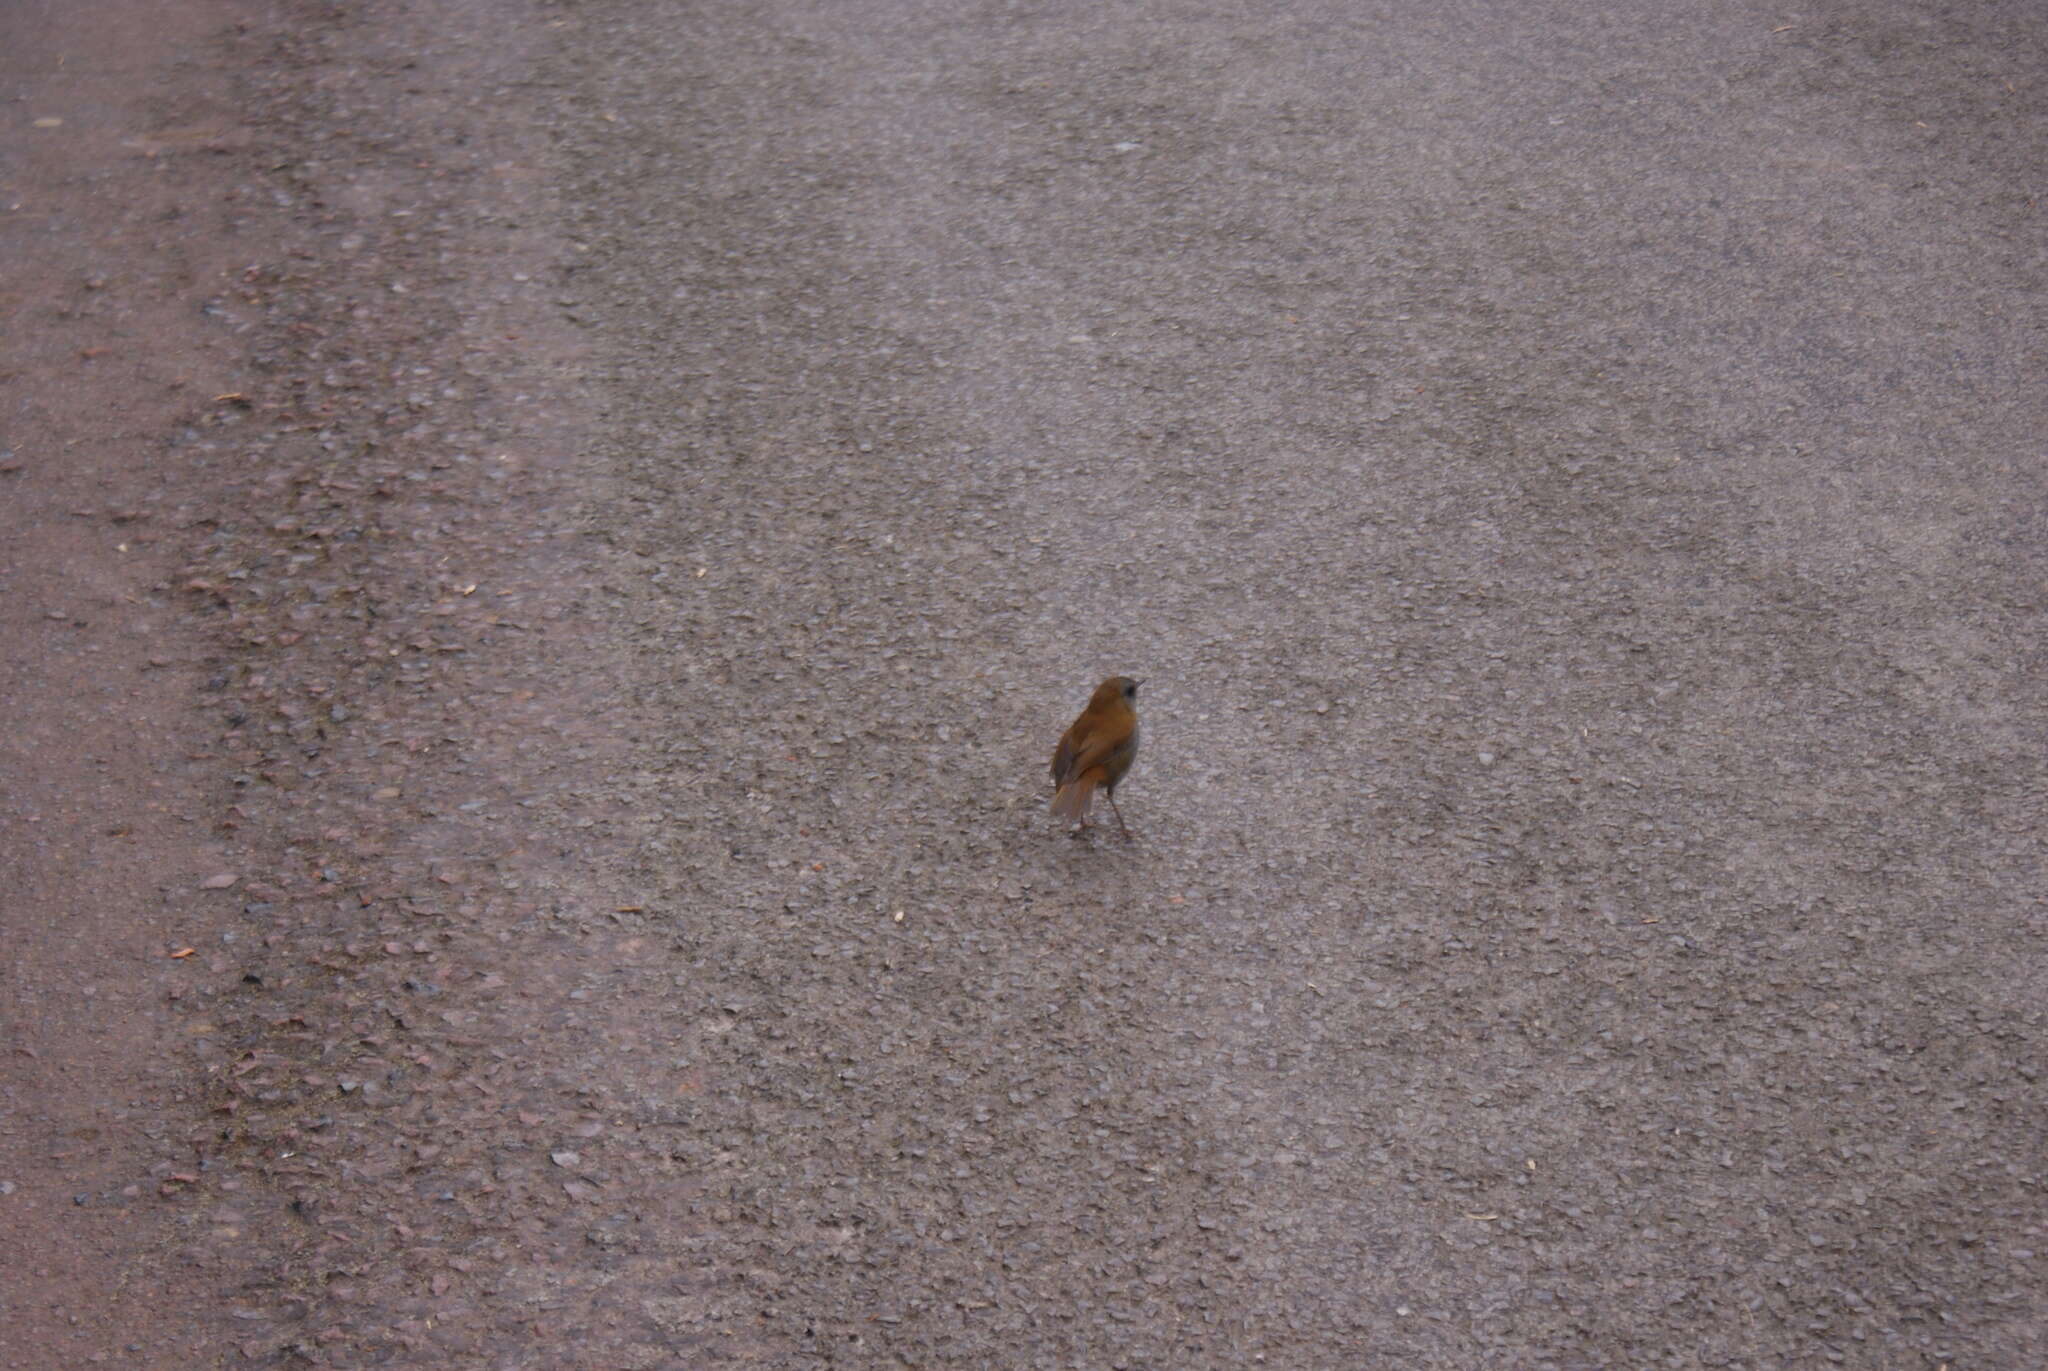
(1096, 751)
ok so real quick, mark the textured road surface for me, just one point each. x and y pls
(1569, 476)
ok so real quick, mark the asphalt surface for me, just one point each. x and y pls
(1570, 480)
(1568, 476)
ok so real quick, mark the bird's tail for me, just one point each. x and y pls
(1073, 800)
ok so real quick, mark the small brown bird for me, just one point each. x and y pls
(1096, 751)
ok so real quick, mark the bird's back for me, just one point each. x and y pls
(1105, 736)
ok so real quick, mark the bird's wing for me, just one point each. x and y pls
(1062, 758)
(1087, 752)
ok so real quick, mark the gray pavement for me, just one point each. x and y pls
(1570, 479)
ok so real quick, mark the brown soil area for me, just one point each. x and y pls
(123, 226)
(284, 535)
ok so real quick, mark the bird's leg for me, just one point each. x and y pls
(1111, 797)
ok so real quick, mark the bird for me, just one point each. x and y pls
(1096, 751)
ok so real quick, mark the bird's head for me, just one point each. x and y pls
(1117, 688)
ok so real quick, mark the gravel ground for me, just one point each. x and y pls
(1569, 478)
